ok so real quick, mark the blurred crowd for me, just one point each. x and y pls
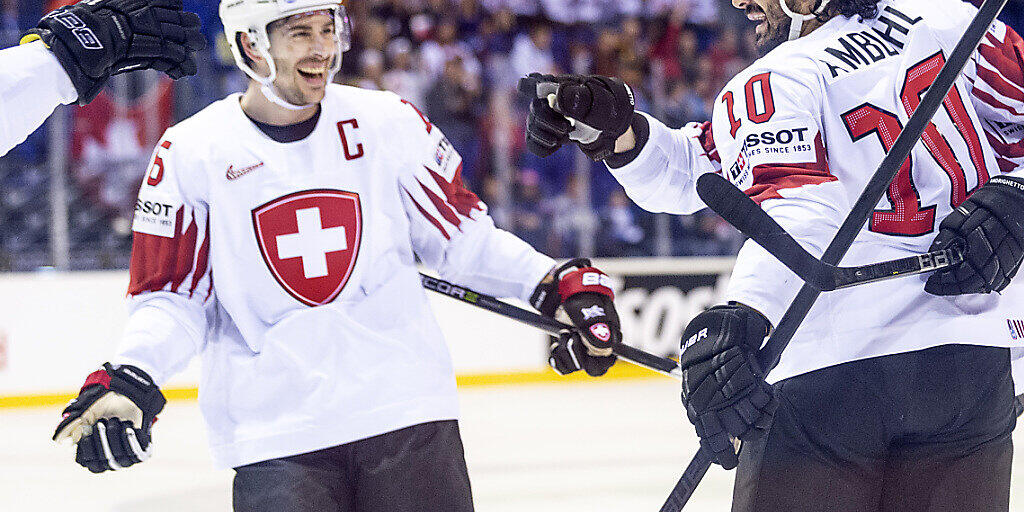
(459, 61)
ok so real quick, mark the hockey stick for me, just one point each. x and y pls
(745, 215)
(772, 351)
(551, 326)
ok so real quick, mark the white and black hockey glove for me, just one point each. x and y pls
(591, 110)
(584, 293)
(989, 228)
(95, 39)
(111, 419)
(724, 390)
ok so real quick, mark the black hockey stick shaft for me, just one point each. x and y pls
(745, 215)
(772, 351)
(549, 325)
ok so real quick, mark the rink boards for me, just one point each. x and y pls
(57, 327)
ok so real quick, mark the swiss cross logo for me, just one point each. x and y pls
(310, 241)
(601, 331)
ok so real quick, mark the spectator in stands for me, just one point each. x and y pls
(454, 104)
(402, 76)
(571, 218)
(619, 233)
(528, 219)
(445, 46)
(531, 53)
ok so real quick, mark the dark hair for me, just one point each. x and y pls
(866, 9)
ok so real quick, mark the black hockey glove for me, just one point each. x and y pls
(600, 107)
(110, 421)
(989, 228)
(584, 293)
(95, 39)
(724, 390)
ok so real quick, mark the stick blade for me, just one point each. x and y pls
(745, 215)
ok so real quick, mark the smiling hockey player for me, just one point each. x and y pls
(891, 396)
(277, 234)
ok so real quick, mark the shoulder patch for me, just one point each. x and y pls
(156, 213)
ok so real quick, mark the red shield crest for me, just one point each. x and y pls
(310, 241)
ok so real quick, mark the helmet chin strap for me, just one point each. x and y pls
(796, 24)
(271, 94)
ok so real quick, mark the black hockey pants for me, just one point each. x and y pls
(920, 431)
(418, 468)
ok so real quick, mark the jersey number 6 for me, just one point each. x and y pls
(908, 217)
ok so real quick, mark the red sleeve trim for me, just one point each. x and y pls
(456, 193)
(993, 102)
(442, 207)
(999, 84)
(1006, 150)
(158, 261)
(769, 179)
(430, 218)
(707, 143)
(1006, 55)
(1006, 165)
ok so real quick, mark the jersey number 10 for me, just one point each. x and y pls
(908, 217)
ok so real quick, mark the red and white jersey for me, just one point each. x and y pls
(291, 267)
(803, 129)
(32, 85)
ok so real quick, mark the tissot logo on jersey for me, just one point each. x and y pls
(310, 241)
(155, 214)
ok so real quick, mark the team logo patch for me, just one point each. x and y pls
(601, 331)
(310, 241)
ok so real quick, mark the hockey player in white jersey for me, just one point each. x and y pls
(72, 52)
(276, 235)
(891, 396)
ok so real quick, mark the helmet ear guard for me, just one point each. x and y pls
(796, 24)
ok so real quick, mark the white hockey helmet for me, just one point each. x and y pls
(253, 16)
(796, 24)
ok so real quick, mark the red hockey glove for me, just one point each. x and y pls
(584, 293)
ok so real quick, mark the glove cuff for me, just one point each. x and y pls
(1009, 184)
(584, 280)
(545, 297)
(131, 382)
(642, 133)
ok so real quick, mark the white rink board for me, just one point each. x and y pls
(55, 327)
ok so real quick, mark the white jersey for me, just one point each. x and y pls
(32, 84)
(291, 267)
(803, 129)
